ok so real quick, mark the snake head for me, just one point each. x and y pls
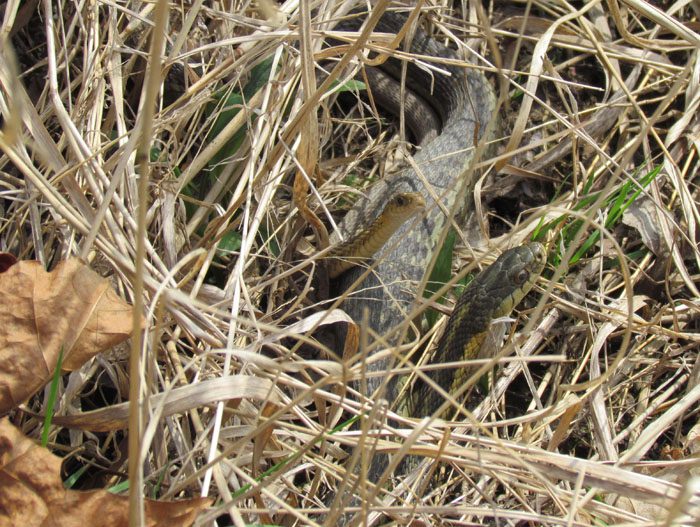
(399, 209)
(405, 204)
(513, 275)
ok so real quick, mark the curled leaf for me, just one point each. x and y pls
(72, 308)
(32, 493)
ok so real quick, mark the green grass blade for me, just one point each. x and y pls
(440, 275)
(70, 482)
(52, 400)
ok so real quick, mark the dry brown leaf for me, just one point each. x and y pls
(692, 440)
(643, 215)
(32, 493)
(71, 308)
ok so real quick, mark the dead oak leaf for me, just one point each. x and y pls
(71, 308)
(32, 493)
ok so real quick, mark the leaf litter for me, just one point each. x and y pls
(576, 429)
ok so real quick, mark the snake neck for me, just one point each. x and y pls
(375, 238)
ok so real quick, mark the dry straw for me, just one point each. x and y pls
(595, 418)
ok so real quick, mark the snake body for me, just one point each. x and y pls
(465, 104)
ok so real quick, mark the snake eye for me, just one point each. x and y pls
(521, 276)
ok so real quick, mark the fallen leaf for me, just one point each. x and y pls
(643, 215)
(71, 308)
(32, 493)
(692, 440)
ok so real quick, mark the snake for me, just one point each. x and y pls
(460, 102)
(491, 294)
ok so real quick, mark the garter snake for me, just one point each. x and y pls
(463, 104)
(491, 294)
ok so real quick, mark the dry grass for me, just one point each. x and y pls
(600, 427)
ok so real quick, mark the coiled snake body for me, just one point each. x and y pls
(464, 101)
